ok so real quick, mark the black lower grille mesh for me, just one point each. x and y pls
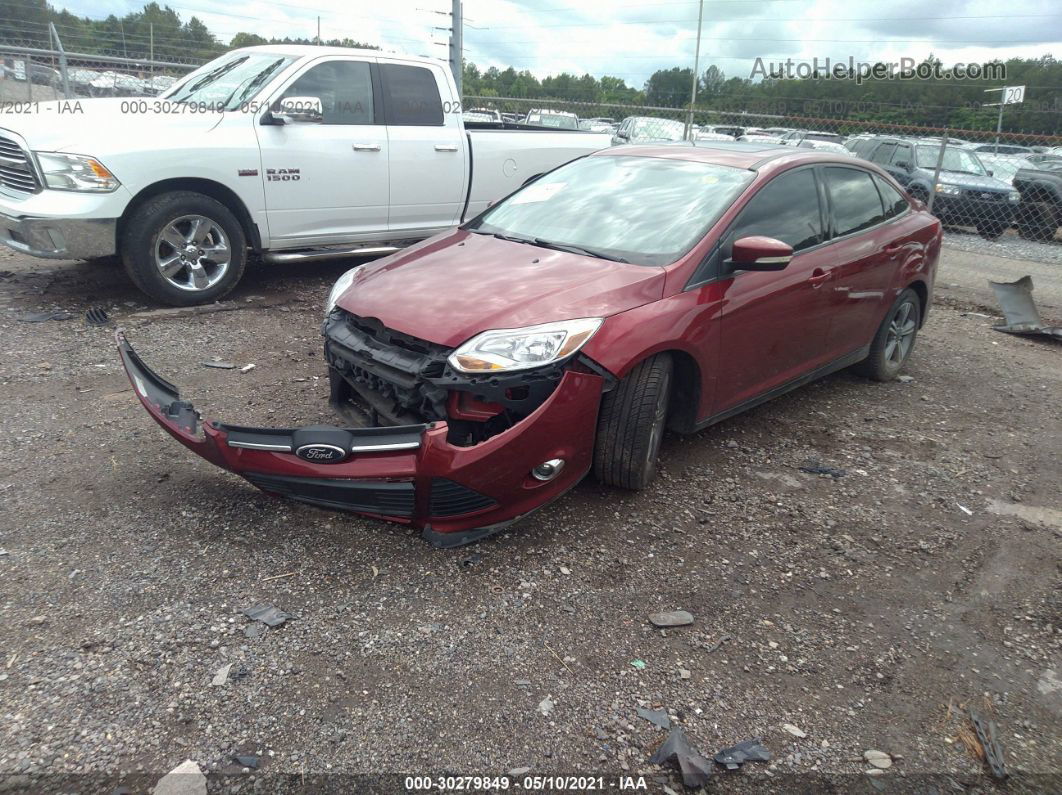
(367, 496)
(451, 499)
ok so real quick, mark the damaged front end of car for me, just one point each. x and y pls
(457, 457)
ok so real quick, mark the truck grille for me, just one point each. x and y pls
(16, 173)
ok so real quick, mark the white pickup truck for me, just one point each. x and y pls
(294, 152)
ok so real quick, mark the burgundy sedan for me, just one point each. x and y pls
(485, 371)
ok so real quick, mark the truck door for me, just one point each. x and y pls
(429, 161)
(327, 181)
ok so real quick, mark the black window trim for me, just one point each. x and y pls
(388, 111)
(820, 192)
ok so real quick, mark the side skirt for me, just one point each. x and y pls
(812, 375)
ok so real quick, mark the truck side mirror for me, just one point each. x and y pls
(298, 110)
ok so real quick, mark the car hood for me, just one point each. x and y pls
(106, 124)
(451, 287)
(973, 181)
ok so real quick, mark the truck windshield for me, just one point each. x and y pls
(645, 210)
(956, 160)
(229, 81)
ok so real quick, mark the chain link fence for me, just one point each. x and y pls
(996, 194)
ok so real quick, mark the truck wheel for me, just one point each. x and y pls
(1036, 222)
(990, 230)
(631, 425)
(894, 340)
(184, 248)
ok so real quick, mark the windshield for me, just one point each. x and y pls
(957, 160)
(227, 82)
(659, 129)
(645, 210)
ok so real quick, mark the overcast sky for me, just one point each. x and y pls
(633, 39)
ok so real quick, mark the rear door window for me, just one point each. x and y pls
(411, 96)
(883, 154)
(895, 203)
(854, 200)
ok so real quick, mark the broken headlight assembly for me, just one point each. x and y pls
(340, 287)
(505, 350)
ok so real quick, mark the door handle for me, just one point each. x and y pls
(892, 248)
(818, 277)
(366, 147)
(445, 147)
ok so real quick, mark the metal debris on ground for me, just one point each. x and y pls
(219, 365)
(658, 717)
(746, 751)
(43, 317)
(671, 618)
(993, 748)
(815, 468)
(96, 317)
(1020, 312)
(695, 768)
(267, 614)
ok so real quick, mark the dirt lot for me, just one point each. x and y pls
(854, 608)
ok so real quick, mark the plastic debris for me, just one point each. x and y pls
(639, 664)
(470, 561)
(657, 717)
(267, 614)
(794, 730)
(247, 761)
(986, 735)
(747, 751)
(219, 365)
(671, 618)
(247, 368)
(814, 468)
(96, 317)
(545, 706)
(1020, 312)
(185, 779)
(695, 768)
(222, 676)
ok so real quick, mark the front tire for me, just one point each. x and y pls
(894, 340)
(631, 425)
(183, 248)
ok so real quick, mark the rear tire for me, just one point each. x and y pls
(631, 425)
(991, 230)
(205, 259)
(1036, 222)
(894, 340)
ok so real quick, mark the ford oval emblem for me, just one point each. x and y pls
(321, 453)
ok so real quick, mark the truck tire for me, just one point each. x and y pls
(631, 425)
(1036, 221)
(183, 248)
(894, 340)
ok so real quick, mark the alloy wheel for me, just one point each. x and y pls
(192, 253)
(901, 334)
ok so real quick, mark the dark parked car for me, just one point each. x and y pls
(488, 369)
(966, 194)
(1040, 185)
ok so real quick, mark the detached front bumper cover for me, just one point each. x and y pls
(409, 474)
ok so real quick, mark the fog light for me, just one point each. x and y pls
(548, 470)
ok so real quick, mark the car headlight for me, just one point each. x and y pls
(523, 348)
(75, 172)
(340, 287)
(948, 190)
(1014, 196)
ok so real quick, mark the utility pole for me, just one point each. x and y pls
(696, 77)
(318, 30)
(62, 60)
(456, 46)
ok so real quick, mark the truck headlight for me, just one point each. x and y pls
(340, 287)
(948, 190)
(75, 172)
(523, 348)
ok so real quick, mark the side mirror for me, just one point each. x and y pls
(758, 253)
(903, 164)
(625, 136)
(299, 110)
(989, 172)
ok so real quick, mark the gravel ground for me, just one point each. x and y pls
(855, 609)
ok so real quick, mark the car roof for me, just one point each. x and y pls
(737, 154)
(307, 50)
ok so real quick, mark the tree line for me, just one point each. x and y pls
(945, 101)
